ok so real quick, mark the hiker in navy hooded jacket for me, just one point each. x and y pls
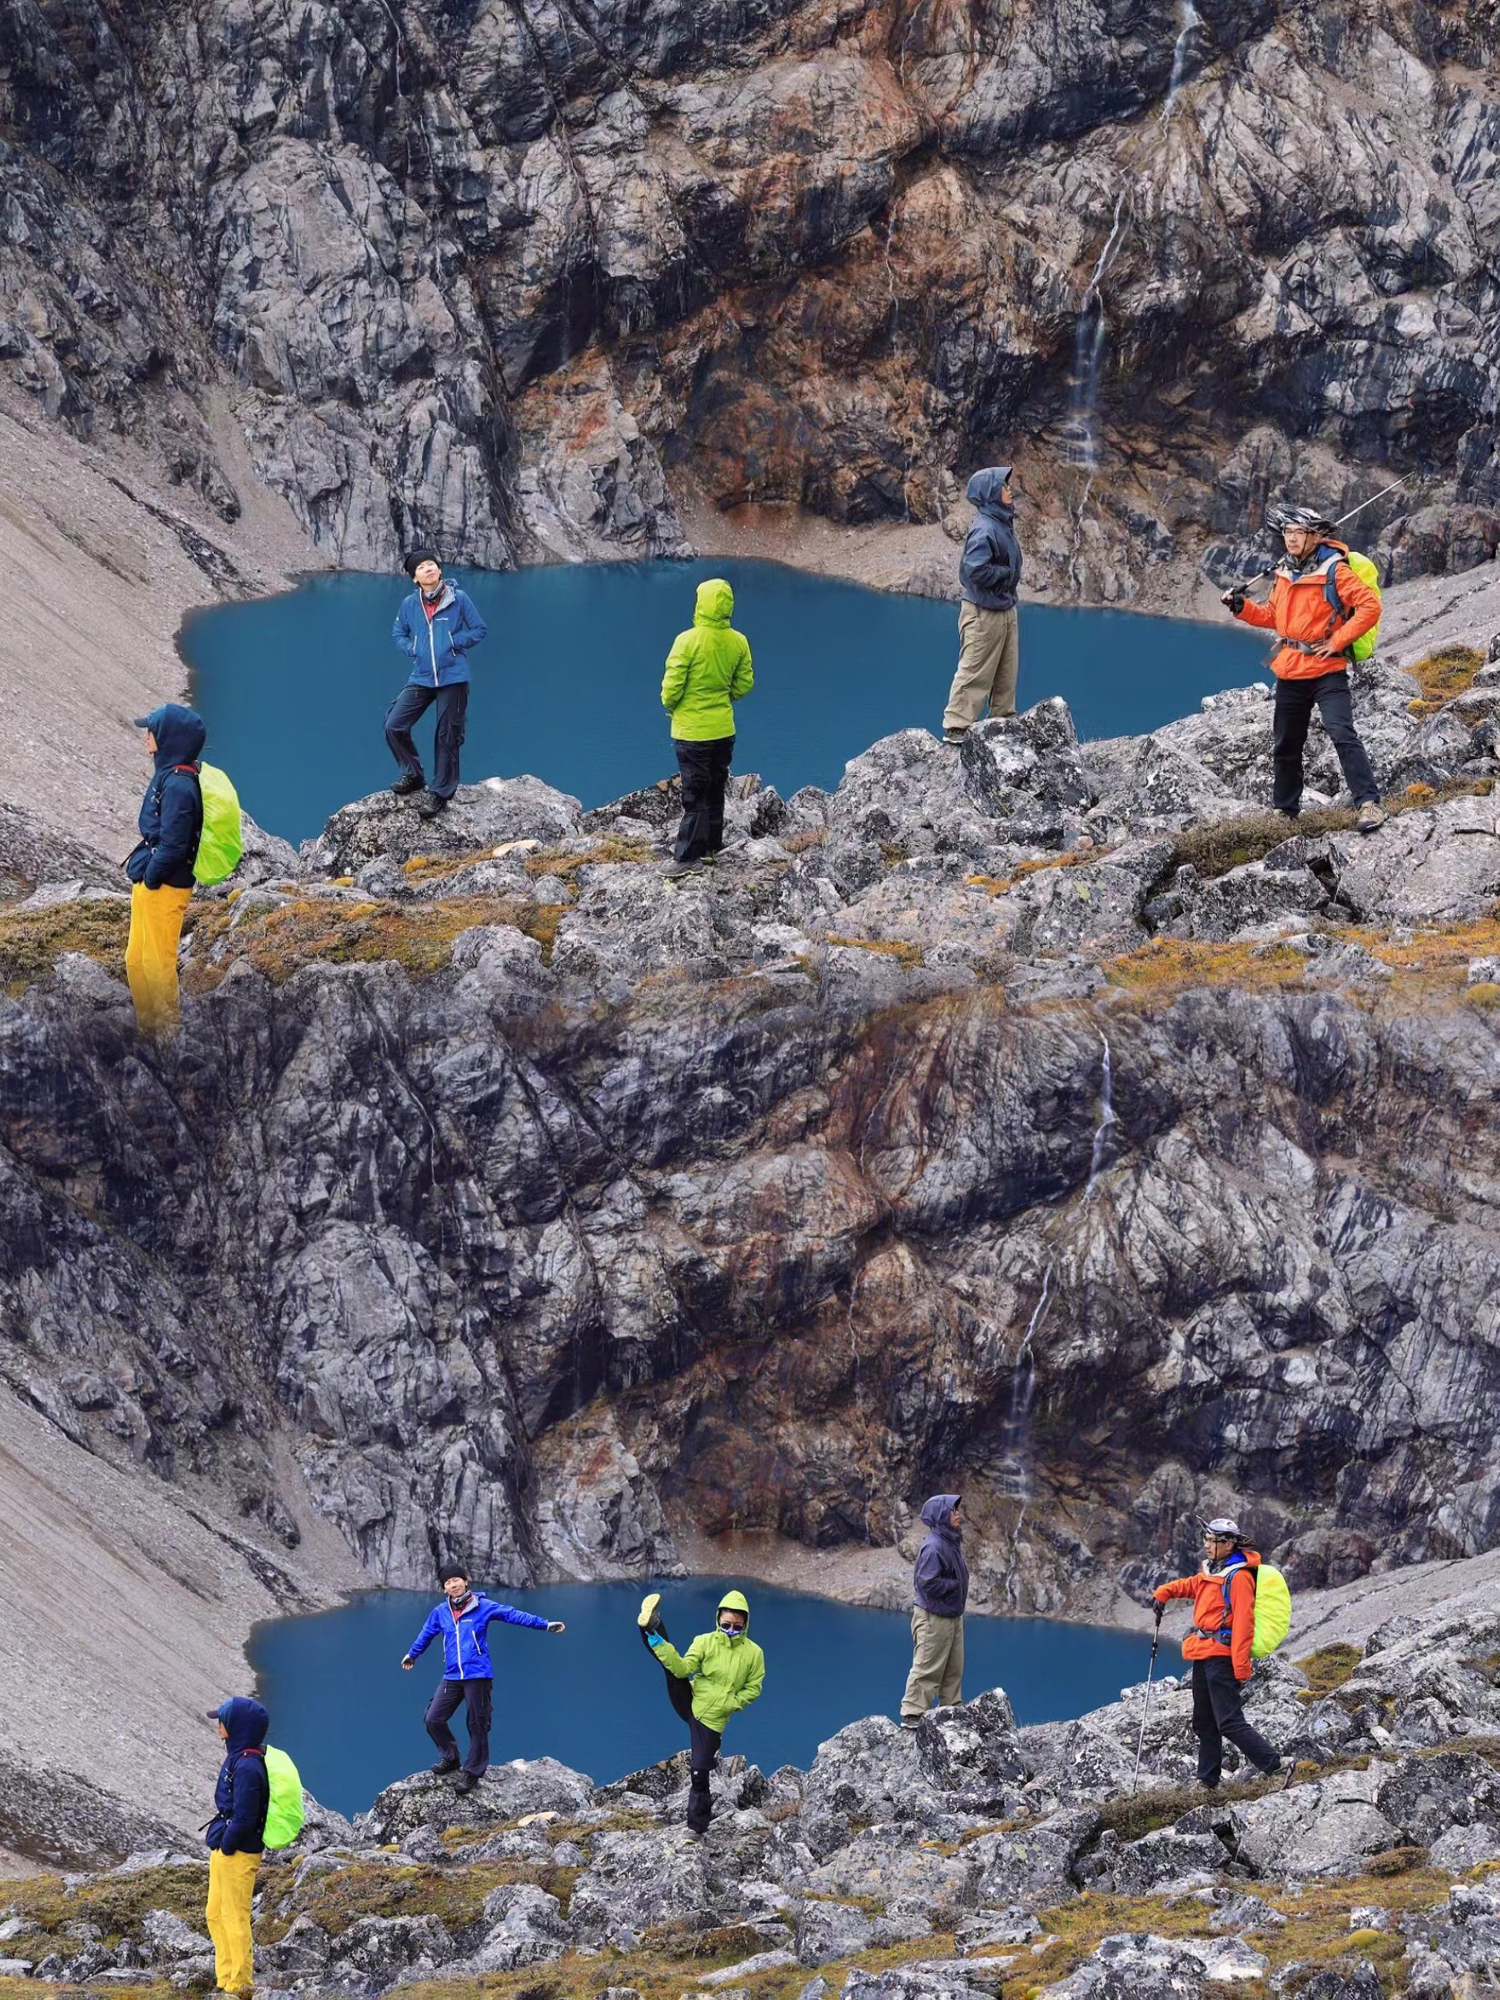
(940, 1588)
(462, 1622)
(236, 1839)
(989, 579)
(160, 866)
(435, 627)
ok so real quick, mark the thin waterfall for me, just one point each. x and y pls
(1107, 1120)
(1188, 19)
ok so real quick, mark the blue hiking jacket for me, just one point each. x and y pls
(466, 1652)
(989, 570)
(172, 811)
(437, 646)
(940, 1578)
(242, 1796)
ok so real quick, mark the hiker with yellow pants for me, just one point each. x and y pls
(161, 864)
(236, 1839)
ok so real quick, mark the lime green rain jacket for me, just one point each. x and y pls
(708, 669)
(730, 1668)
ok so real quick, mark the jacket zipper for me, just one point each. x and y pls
(458, 1630)
(432, 648)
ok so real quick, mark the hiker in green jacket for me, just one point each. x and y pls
(720, 1672)
(708, 671)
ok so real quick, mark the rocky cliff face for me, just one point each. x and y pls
(525, 278)
(1037, 1119)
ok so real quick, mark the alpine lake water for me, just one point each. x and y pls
(567, 685)
(351, 1719)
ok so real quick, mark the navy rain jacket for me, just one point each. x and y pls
(172, 810)
(989, 570)
(466, 1650)
(436, 646)
(242, 1797)
(940, 1580)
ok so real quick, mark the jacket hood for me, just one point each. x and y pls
(984, 488)
(1250, 1557)
(938, 1508)
(179, 732)
(715, 604)
(247, 1723)
(734, 1600)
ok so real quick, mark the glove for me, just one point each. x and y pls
(1160, 1610)
(1234, 599)
(555, 1625)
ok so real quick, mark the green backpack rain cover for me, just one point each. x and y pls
(285, 1814)
(222, 840)
(1273, 1608)
(1364, 645)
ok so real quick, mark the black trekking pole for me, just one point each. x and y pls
(1146, 1704)
(1270, 568)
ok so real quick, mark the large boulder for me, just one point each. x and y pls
(1327, 1828)
(972, 1754)
(485, 815)
(1027, 771)
(506, 1791)
(1033, 1865)
(1438, 866)
(635, 1880)
(1142, 1966)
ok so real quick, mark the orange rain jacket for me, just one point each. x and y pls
(1207, 1593)
(1298, 609)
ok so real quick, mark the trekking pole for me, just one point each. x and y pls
(1146, 1704)
(1245, 582)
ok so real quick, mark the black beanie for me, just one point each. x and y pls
(416, 559)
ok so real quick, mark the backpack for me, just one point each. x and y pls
(1364, 645)
(222, 841)
(286, 1812)
(1273, 1608)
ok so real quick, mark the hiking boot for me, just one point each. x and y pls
(954, 735)
(431, 806)
(675, 870)
(649, 1615)
(466, 1783)
(1371, 817)
(445, 1769)
(404, 787)
(911, 1722)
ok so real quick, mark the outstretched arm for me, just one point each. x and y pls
(424, 1638)
(1261, 615)
(683, 1665)
(510, 1616)
(1182, 1586)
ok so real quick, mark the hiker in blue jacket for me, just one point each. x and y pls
(236, 1838)
(462, 1621)
(435, 627)
(940, 1588)
(989, 578)
(160, 865)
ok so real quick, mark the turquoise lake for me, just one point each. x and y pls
(567, 686)
(593, 1698)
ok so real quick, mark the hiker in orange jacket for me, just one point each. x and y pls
(1218, 1647)
(1311, 663)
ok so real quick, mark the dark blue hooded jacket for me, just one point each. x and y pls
(172, 810)
(243, 1794)
(940, 1580)
(989, 570)
(437, 646)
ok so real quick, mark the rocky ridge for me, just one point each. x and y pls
(967, 1857)
(1042, 1116)
(550, 280)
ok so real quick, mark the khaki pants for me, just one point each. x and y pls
(231, 1890)
(151, 955)
(988, 657)
(937, 1663)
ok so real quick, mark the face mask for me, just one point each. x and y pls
(734, 1631)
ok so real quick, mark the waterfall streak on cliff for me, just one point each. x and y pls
(1107, 1121)
(1188, 19)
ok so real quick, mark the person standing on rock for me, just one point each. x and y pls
(940, 1586)
(436, 628)
(235, 1838)
(160, 866)
(721, 1672)
(462, 1621)
(1318, 607)
(989, 578)
(1218, 1649)
(708, 671)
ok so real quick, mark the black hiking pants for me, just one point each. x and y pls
(474, 1695)
(703, 1743)
(1292, 713)
(705, 775)
(1218, 1712)
(409, 707)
